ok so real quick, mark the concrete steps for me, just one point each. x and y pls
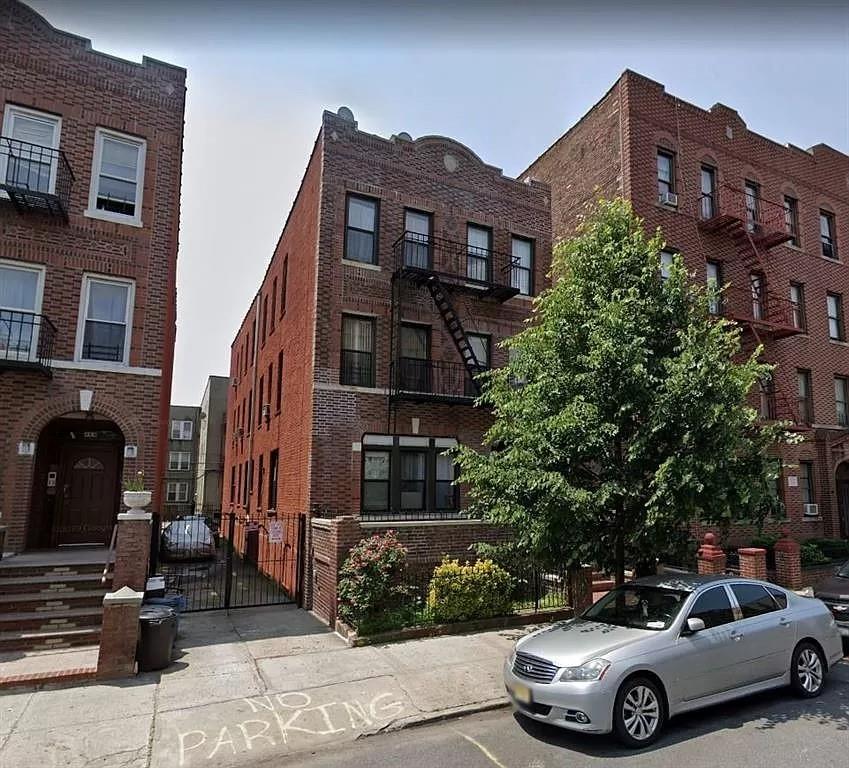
(42, 640)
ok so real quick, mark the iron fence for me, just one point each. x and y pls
(26, 338)
(414, 377)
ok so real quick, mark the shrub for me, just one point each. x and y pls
(463, 592)
(833, 549)
(811, 554)
(369, 580)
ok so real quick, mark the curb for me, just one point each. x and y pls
(445, 714)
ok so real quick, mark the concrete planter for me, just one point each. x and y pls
(137, 499)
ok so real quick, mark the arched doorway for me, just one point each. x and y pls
(76, 483)
(842, 480)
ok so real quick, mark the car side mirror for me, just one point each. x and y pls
(693, 625)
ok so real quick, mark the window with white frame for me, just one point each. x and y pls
(28, 158)
(117, 177)
(181, 429)
(522, 265)
(177, 492)
(667, 258)
(21, 288)
(105, 320)
(179, 461)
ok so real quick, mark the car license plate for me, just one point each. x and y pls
(522, 693)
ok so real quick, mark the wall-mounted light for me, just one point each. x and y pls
(415, 422)
(86, 396)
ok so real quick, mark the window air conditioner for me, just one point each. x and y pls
(669, 198)
(812, 510)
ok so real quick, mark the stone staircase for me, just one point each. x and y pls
(45, 607)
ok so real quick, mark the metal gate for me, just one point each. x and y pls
(232, 562)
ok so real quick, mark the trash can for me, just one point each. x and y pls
(156, 637)
(171, 599)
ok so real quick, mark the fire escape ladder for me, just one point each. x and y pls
(455, 328)
(747, 249)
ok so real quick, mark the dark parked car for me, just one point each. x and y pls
(834, 592)
(187, 538)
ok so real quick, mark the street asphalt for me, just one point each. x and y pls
(772, 730)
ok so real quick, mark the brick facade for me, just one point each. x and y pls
(58, 74)
(319, 428)
(613, 151)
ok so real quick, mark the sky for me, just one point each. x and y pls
(505, 78)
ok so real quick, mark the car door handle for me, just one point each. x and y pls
(736, 636)
(784, 622)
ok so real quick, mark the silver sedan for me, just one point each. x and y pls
(664, 645)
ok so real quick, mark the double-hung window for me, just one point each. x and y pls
(21, 288)
(804, 396)
(357, 365)
(806, 481)
(708, 188)
(117, 177)
(417, 233)
(841, 400)
(360, 232)
(665, 175)
(106, 311)
(752, 194)
(797, 304)
(827, 239)
(181, 429)
(29, 146)
(412, 480)
(179, 461)
(478, 252)
(666, 260)
(480, 344)
(177, 492)
(522, 265)
(834, 307)
(758, 288)
(714, 284)
(377, 466)
(791, 218)
(414, 366)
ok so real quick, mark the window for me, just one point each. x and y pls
(239, 486)
(181, 429)
(260, 481)
(357, 368)
(177, 492)
(245, 484)
(806, 481)
(232, 485)
(273, 464)
(250, 415)
(20, 301)
(713, 608)
(361, 229)
(714, 284)
(414, 368)
(797, 302)
(105, 320)
(413, 474)
(665, 173)
(829, 246)
(446, 491)
(279, 397)
(478, 252)
(766, 409)
(753, 195)
(756, 281)
(264, 319)
(708, 188)
(522, 265)
(417, 226)
(666, 260)
(804, 397)
(376, 473)
(791, 218)
(480, 346)
(753, 599)
(28, 160)
(179, 461)
(273, 306)
(284, 285)
(834, 305)
(117, 177)
(260, 401)
(779, 595)
(841, 400)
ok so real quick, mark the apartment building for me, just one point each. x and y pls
(212, 428)
(179, 481)
(90, 155)
(771, 222)
(401, 267)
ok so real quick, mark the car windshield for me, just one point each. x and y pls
(638, 606)
(844, 570)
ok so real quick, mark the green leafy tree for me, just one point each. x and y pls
(623, 412)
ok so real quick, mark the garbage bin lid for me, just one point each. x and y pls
(156, 612)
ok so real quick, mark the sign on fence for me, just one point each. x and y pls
(275, 532)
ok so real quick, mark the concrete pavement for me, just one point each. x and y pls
(255, 685)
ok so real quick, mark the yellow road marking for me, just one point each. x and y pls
(492, 758)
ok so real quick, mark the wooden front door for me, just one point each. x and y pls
(88, 493)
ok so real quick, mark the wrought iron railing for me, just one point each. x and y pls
(455, 259)
(434, 378)
(761, 307)
(763, 219)
(25, 339)
(357, 368)
(34, 176)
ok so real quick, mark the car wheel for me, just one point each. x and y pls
(638, 713)
(807, 671)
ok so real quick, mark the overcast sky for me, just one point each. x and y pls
(504, 78)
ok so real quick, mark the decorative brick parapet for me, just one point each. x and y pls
(119, 634)
(711, 557)
(132, 550)
(788, 562)
(752, 562)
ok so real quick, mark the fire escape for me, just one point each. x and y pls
(755, 225)
(444, 270)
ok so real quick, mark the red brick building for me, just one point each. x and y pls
(771, 221)
(90, 158)
(401, 267)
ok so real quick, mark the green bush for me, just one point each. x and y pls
(765, 541)
(833, 549)
(811, 554)
(369, 580)
(464, 592)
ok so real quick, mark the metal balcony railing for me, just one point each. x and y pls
(35, 178)
(26, 340)
(763, 308)
(416, 379)
(495, 272)
(764, 219)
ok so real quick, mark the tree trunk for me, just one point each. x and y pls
(619, 575)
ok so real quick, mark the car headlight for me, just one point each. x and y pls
(592, 670)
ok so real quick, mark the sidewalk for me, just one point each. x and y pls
(258, 683)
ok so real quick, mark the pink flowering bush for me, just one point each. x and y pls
(370, 578)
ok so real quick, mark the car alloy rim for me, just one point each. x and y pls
(641, 712)
(809, 668)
